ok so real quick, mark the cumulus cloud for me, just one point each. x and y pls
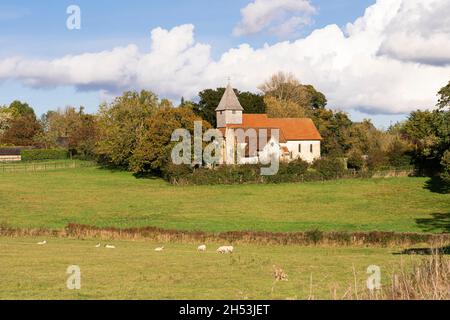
(281, 17)
(419, 32)
(346, 64)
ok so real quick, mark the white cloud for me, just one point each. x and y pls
(281, 17)
(420, 32)
(348, 65)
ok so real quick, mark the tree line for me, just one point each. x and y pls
(134, 130)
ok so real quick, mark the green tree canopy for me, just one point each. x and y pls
(122, 123)
(444, 97)
(19, 109)
(153, 150)
(429, 133)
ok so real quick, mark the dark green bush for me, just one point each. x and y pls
(289, 172)
(314, 236)
(330, 168)
(239, 174)
(44, 154)
(355, 161)
(177, 174)
(295, 171)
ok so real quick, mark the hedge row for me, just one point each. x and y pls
(313, 237)
(295, 171)
(44, 154)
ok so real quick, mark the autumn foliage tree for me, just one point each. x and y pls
(153, 149)
(69, 128)
(286, 97)
(18, 124)
(21, 131)
(122, 123)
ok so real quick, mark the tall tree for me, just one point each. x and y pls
(153, 150)
(21, 131)
(333, 127)
(284, 91)
(285, 87)
(284, 108)
(251, 102)
(122, 123)
(18, 124)
(364, 139)
(444, 97)
(19, 109)
(316, 100)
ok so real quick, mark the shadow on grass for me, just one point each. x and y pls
(149, 176)
(438, 222)
(437, 185)
(426, 251)
(115, 169)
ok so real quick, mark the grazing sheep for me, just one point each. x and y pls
(279, 274)
(108, 246)
(202, 248)
(159, 249)
(225, 249)
(98, 245)
(42, 243)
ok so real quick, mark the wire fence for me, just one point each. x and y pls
(12, 167)
(9, 167)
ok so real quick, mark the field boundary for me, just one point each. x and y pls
(314, 237)
(36, 166)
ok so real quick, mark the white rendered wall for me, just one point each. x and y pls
(228, 154)
(306, 153)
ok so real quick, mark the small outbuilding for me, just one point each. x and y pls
(10, 154)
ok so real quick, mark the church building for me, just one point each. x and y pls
(297, 137)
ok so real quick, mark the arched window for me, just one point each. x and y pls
(311, 148)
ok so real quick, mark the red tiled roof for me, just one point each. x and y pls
(290, 128)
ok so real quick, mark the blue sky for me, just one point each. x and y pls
(38, 27)
(37, 30)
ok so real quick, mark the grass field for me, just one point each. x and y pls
(134, 271)
(92, 196)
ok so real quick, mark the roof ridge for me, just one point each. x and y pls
(290, 128)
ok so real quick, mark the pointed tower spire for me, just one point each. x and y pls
(229, 101)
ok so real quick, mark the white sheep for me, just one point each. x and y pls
(202, 248)
(159, 249)
(109, 246)
(42, 243)
(98, 245)
(225, 249)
